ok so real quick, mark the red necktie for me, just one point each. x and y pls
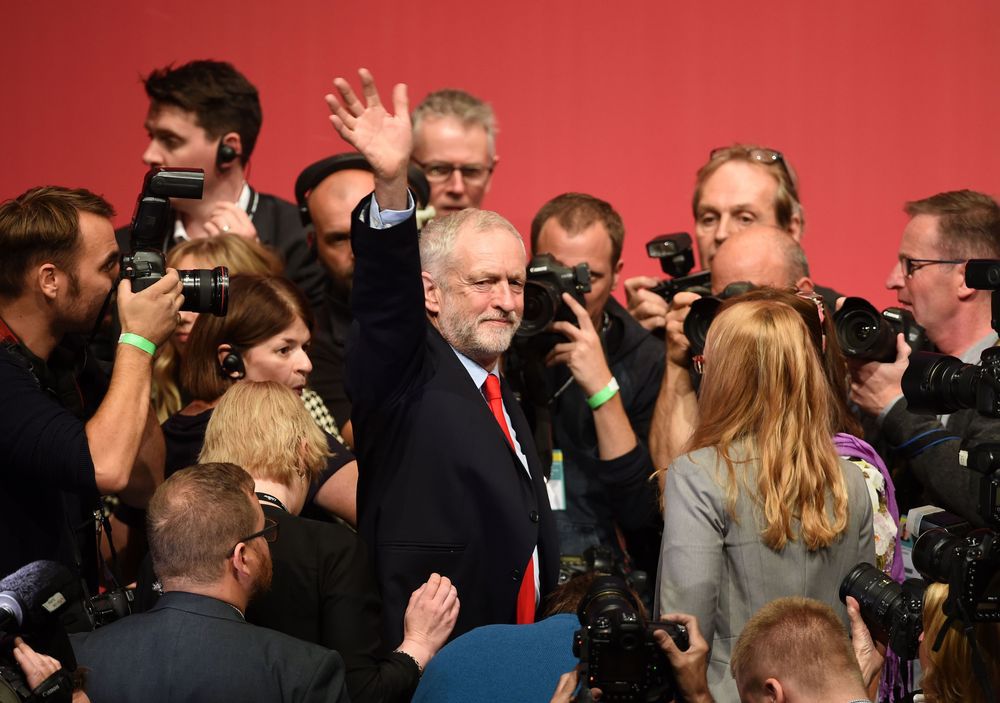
(526, 593)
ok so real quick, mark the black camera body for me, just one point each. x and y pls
(617, 648)
(676, 256)
(865, 333)
(893, 612)
(547, 281)
(704, 310)
(969, 562)
(204, 290)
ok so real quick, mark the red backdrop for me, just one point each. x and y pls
(873, 103)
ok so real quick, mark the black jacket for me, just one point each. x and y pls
(440, 490)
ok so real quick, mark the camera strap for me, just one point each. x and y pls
(963, 624)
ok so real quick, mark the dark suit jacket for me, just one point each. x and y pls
(194, 648)
(440, 490)
(324, 592)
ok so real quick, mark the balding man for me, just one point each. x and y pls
(739, 187)
(761, 255)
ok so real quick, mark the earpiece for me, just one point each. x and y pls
(225, 155)
(316, 173)
(232, 366)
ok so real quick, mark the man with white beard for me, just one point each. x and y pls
(450, 481)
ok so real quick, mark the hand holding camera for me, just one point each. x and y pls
(151, 313)
(875, 384)
(582, 353)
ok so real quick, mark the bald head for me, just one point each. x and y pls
(762, 255)
(330, 205)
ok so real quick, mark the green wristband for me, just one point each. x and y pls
(604, 395)
(139, 342)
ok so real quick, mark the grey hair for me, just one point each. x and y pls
(469, 109)
(437, 239)
(794, 256)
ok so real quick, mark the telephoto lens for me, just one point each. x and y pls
(891, 611)
(938, 384)
(206, 290)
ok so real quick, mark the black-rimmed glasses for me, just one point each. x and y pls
(911, 266)
(440, 171)
(269, 533)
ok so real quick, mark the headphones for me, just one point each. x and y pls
(314, 174)
(232, 366)
(226, 154)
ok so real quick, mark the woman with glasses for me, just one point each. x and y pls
(322, 589)
(761, 506)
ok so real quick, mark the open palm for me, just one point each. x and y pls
(382, 138)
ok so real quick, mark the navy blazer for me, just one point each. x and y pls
(440, 490)
(196, 649)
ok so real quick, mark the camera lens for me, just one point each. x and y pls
(697, 322)
(206, 290)
(863, 333)
(891, 611)
(939, 384)
(935, 553)
(541, 300)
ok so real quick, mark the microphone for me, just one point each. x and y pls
(33, 592)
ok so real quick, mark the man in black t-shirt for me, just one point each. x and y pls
(60, 262)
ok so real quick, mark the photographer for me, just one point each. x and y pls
(944, 231)
(948, 672)
(762, 255)
(600, 384)
(41, 674)
(59, 449)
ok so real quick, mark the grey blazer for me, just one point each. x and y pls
(719, 570)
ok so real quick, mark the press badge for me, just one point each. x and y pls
(555, 485)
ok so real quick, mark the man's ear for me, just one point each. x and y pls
(805, 285)
(48, 278)
(489, 180)
(432, 294)
(238, 561)
(795, 227)
(774, 691)
(234, 142)
(964, 292)
(615, 273)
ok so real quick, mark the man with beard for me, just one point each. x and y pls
(449, 478)
(208, 541)
(66, 435)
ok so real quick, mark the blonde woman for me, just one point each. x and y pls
(323, 590)
(761, 506)
(949, 675)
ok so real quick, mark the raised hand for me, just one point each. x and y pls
(384, 139)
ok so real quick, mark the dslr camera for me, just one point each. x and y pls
(547, 281)
(616, 646)
(941, 384)
(676, 257)
(866, 334)
(893, 612)
(204, 290)
(703, 311)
